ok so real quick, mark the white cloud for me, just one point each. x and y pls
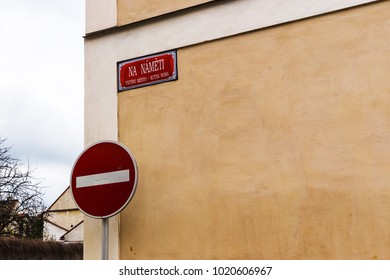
(41, 85)
(58, 174)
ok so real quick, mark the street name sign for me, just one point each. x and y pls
(104, 179)
(147, 70)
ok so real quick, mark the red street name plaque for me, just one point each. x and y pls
(147, 70)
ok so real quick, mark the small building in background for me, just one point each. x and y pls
(64, 221)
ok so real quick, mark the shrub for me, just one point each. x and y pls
(25, 249)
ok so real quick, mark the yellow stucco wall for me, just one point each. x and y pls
(273, 144)
(136, 10)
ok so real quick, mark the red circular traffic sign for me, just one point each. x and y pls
(104, 179)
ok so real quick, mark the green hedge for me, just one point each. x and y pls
(24, 249)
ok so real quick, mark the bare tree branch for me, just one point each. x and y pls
(21, 198)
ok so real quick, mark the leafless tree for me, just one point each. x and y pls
(21, 198)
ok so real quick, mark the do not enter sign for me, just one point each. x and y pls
(104, 179)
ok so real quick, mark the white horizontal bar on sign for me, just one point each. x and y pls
(103, 178)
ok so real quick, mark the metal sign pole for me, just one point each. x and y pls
(105, 239)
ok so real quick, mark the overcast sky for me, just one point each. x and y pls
(41, 86)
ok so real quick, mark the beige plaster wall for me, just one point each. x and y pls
(99, 15)
(64, 211)
(65, 201)
(271, 145)
(130, 11)
(66, 219)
